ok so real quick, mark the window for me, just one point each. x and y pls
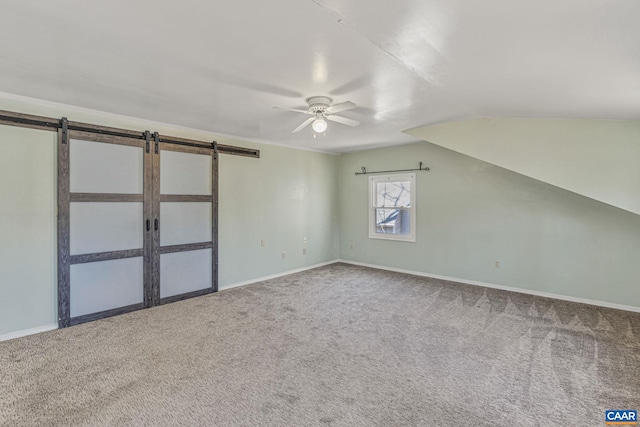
(392, 207)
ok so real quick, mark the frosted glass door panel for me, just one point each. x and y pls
(105, 285)
(97, 167)
(183, 272)
(105, 227)
(185, 173)
(185, 222)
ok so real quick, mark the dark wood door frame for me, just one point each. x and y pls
(151, 199)
(157, 198)
(66, 197)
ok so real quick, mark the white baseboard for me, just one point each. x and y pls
(30, 331)
(500, 287)
(274, 276)
(45, 328)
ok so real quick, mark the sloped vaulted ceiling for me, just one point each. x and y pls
(594, 158)
(221, 65)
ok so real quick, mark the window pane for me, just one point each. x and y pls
(105, 285)
(393, 221)
(182, 272)
(396, 193)
(184, 173)
(185, 222)
(96, 167)
(105, 226)
(392, 210)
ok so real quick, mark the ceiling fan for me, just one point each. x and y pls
(320, 108)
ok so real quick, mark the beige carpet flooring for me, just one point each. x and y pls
(339, 346)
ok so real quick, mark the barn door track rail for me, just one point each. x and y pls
(51, 124)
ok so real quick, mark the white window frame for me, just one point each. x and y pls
(373, 180)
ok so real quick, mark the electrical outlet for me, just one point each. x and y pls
(304, 251)
(284, 255)
(497, 264)
(304, 239)
(351, 246)
(263, 243)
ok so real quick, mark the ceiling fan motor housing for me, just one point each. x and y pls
(318, 104)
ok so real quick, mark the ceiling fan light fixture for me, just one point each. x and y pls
(321, 109)
(319, 125)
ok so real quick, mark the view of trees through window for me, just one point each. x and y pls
(393, 200)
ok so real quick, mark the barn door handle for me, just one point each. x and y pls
(148, 225)
(156, 224)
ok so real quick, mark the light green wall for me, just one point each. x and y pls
(282, 197)
(471, 213)
(27, 228)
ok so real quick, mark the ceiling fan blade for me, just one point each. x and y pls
(295, 110)
(343, 106)
(343, 120)
(303, 125)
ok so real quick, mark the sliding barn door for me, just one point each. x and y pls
(185, 198)
(105, 215)
(137, 222)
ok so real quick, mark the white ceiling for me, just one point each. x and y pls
(222, 65)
